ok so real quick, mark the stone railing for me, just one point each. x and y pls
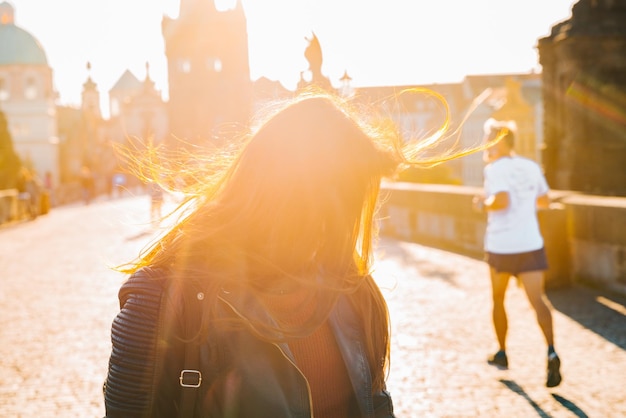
(585, 236)
(8, 205)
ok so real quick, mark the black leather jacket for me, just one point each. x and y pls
(248, 377)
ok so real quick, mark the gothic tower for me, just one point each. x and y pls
(208, 71)
(584, 93)
(90, 102)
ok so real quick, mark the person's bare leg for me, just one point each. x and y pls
(534, 286)
(499, 283)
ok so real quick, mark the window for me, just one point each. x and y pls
(214, 64)
(4, 89)
(115, 106)
(30, 92)
(185, 66)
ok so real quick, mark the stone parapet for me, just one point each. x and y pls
(8, 205)
(596, 230)
(585, 236)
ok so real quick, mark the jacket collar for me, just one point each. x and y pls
(347, 329)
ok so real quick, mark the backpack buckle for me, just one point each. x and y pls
(190, 378)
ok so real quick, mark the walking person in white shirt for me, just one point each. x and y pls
(515, 188)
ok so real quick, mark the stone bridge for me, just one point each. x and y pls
(58, 296)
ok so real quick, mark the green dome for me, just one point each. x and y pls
(16, 45)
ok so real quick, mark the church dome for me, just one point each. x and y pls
(17, 46)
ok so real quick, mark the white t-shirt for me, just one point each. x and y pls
(514, 229)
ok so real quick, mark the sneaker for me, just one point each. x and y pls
(554, 372)
(499, 359)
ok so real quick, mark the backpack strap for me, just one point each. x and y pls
(190, 378)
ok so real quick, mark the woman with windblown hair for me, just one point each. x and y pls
(265, 286)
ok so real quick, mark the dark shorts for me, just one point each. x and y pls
(518, 263)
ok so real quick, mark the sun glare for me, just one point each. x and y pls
(398, 43)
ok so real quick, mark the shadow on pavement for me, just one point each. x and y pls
(518, 389)
(599, 311)
(426, 268)
(570, 405)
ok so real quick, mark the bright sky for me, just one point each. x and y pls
(379, 42)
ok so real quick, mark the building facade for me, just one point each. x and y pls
(584, 89)
(210, 92)
(27, 96)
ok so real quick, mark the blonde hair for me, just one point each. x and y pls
(496, 130)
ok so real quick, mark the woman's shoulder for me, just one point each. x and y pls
(145, 282)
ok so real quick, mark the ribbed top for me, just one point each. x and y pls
(317, 355)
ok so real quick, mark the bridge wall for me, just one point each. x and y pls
(585, 236)
(9, 208)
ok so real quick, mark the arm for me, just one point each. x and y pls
(383, 405)
(543, 202)
(496, 188)
(132, 365)
(498, 201)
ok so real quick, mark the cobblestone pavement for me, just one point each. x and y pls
(58, 296)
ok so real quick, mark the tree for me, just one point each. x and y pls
(10, 163)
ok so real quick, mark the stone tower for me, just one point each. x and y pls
(90, 102)
(584, 92)
(208, 70)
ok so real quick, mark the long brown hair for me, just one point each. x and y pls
(296, 203)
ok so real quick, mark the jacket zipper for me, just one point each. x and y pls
(308, 388)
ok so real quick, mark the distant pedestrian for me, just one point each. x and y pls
(29, 191)
(514, 189)
(48, 195)
(119, 184)
(47, 181)
(87, 183)
(156, 202)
